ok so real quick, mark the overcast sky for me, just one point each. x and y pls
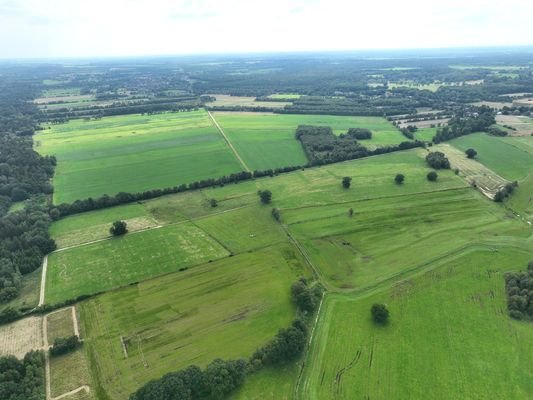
(83, 28)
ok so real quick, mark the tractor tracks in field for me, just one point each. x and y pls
(226, 139)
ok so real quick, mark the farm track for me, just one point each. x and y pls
(226, 139)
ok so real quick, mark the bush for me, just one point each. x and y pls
(432, 176)
(265, 196)
(399, 178)
(380, 313)
(118, 228)
(346, 182)
(359, 133)
(471, 153)
(213, 203)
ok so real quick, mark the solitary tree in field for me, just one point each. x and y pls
(350, 212)
(471, 153)
(380, 313)
(213, 202)
(265, 196)
(346, 182)
(399, 179)
(432, 176)
(118, 228)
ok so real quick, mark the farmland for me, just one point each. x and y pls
(134, 153)
(195, 312)
(450, 325)
(267, 140)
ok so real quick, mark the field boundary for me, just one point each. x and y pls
(226, 139)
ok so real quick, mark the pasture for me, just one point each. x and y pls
(120, 261)
(449, 336)
(141, 332)
(266, 140)
(132, 153)
(387, 238)
(498, 154)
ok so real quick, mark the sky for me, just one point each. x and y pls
(115, 28)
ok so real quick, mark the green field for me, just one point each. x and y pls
(121, 261)
(188, 318)
(133, 153)
(267, 140)
(449, 337)
(508, 159)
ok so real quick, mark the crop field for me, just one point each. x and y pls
(384, 238)
(522, 124)
(474, 172)
(267, 140)
(133, 153)
(504, 158)
(120, 261)
(69, 372)
(59, 324)
(143, 331)
(288, 96)
(20, 337)
(449, 335)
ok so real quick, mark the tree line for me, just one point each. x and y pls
(220, 377)
(466, 121)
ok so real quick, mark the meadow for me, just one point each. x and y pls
(188, 318)
(449, 336)
(132, 153)
(267, 140)
(502, 155)
(120, 261)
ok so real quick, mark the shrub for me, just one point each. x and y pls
(380, 313)
(64, 345)
(399, 178)
(471, 153)
(432, 176)
(118, 228)
(265, 196)
(346, 182)
(437, 160)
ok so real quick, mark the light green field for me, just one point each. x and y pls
(134, 153)
(385, 238)
(121, 261)
(432, 87)
(267, 140)
(449, 336)
(425, 134)
(499, 154)
(69, 372)
(59, 325)
(225, 309)
(224, 100)
(289, 96)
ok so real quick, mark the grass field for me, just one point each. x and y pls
(385, 238)
(504, 158)
(69, 372)
(188, 318)
(267, 140)
(449, 337)
(133, 153)
(59, 325)
(28, 297)
(121, 261)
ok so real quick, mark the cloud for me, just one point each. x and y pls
(52, 28)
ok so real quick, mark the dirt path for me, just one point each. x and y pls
(228, 142)
(75, 322)
(43, 281)
(84, 387)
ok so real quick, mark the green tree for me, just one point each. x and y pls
(471, 153)
(432, 176)
(213, 202)
(346, 182)
(265, 196)
(118, 228)
(380, 313)
(399, 178)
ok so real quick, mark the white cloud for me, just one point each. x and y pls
(52, 28)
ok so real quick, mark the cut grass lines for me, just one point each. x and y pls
(133, 153)
(224, 309)
(120, 261)
(20, 337)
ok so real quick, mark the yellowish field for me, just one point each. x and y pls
(245, 101)
(20, 337)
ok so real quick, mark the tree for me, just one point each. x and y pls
(437, 160)
(276, 214)
(350, 212)
(118, 228)
(471, 153)
(399, 178)
(380, 313)
(432, 176)
(265, 196)
(213, 203)
(346, 182)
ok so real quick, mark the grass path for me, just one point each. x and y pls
(228, 141)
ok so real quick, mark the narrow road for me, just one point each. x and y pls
(43, 281)
(228, 142)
